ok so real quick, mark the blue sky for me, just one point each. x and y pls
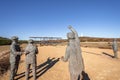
(25, 18)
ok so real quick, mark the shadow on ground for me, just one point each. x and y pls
(85, 76)
(49, 64)
(108, 54)
(91, 53)
(41, 69)
(4, 65)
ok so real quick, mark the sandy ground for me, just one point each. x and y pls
(99, 65)
(4, 48)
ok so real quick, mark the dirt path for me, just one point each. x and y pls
(99, 65)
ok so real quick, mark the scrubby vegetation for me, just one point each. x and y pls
(97, 39)
(5, 41)
(23, 41)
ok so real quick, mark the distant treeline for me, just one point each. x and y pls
(97, 39)
(7, 41)
(88, 39)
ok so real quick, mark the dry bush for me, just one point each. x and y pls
(4, 62)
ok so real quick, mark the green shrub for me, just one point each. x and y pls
(5, 41)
